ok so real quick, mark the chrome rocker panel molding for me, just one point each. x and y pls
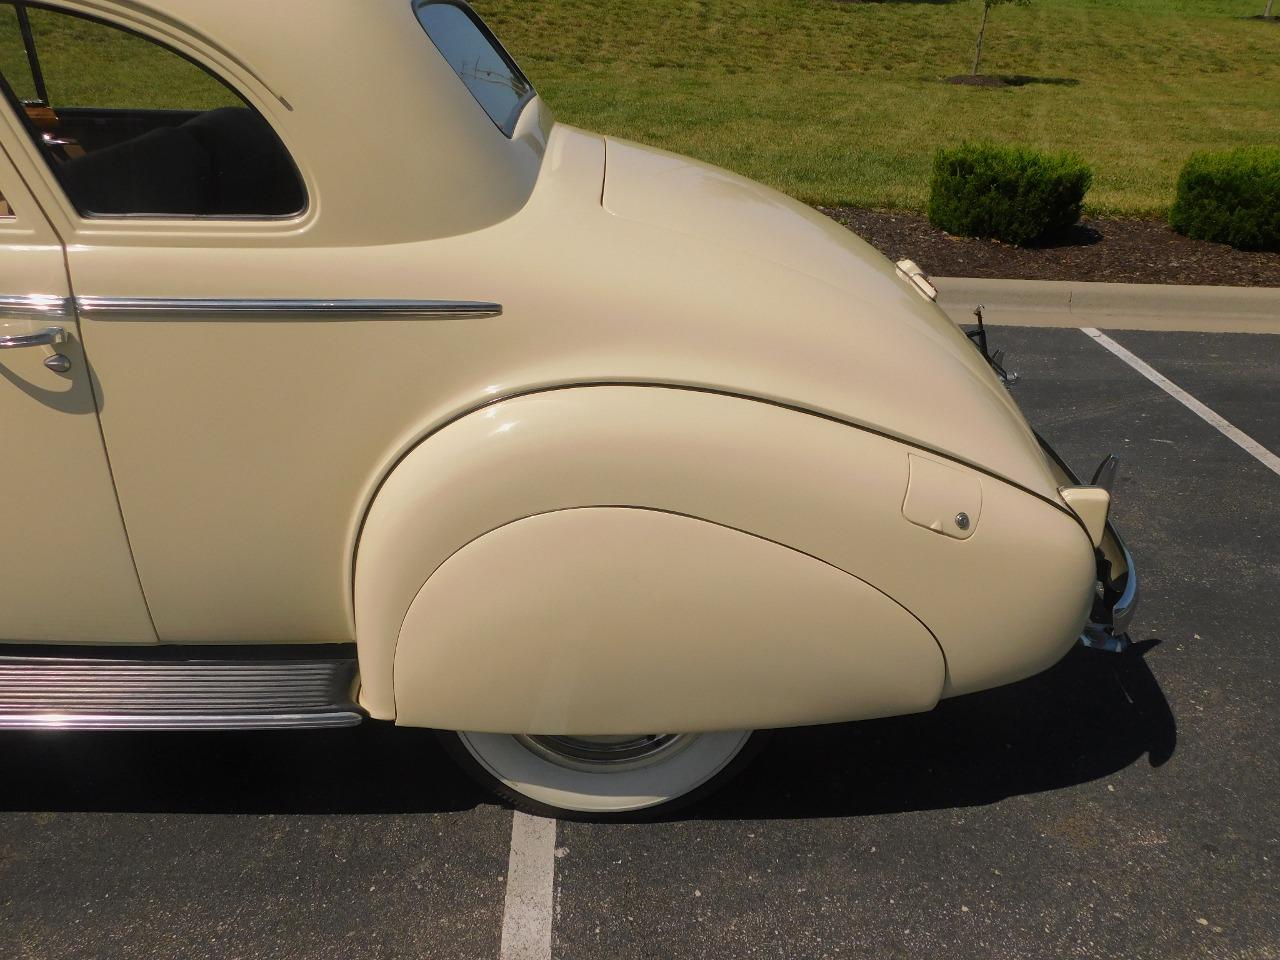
(148, 308)
(177, 722)
(71, 693)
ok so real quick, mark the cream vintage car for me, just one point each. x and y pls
(338, 381)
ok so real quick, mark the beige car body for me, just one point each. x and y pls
(700, 471)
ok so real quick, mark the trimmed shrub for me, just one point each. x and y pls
(1231, 197)
(1014, 194)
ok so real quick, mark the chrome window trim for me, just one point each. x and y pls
(160, 308)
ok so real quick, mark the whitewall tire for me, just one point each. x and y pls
(602, 777)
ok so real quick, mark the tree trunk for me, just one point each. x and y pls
(1269, 5)
(977, 53)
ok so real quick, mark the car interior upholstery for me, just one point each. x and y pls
(219, 163)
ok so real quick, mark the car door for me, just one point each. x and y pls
(66, 572)
(175, 200)
(278, 295)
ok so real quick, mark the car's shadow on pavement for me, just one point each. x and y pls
(1092, 714)
(369, 769)
(1089, 716)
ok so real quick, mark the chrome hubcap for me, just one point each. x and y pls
(606, 753)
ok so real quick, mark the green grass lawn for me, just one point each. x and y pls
(833, 102)
(839, 103)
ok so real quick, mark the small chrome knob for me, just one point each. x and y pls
(58, 363)
(962, 521)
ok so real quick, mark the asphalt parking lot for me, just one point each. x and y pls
(1114, 807)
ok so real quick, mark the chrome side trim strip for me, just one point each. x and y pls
(145, 308)
(100, 694)
(34, 305)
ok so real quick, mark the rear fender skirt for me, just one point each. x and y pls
(611, 620)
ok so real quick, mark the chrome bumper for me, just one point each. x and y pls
(1108, 627)
(1117, 589)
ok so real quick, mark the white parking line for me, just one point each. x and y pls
(531, 873)
(1232, 433)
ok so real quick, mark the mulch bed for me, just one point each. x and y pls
(1113, 251)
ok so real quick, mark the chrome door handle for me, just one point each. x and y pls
(48, 337)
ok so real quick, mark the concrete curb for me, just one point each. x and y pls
(1121, 306)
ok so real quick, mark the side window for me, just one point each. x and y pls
(132, 128)
(477, 58)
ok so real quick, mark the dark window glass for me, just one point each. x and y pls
(130, 127)
(478, 59)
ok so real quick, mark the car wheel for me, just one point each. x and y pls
(605, 777)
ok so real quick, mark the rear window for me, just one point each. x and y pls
(477, 58)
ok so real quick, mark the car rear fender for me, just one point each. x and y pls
(795, 492)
